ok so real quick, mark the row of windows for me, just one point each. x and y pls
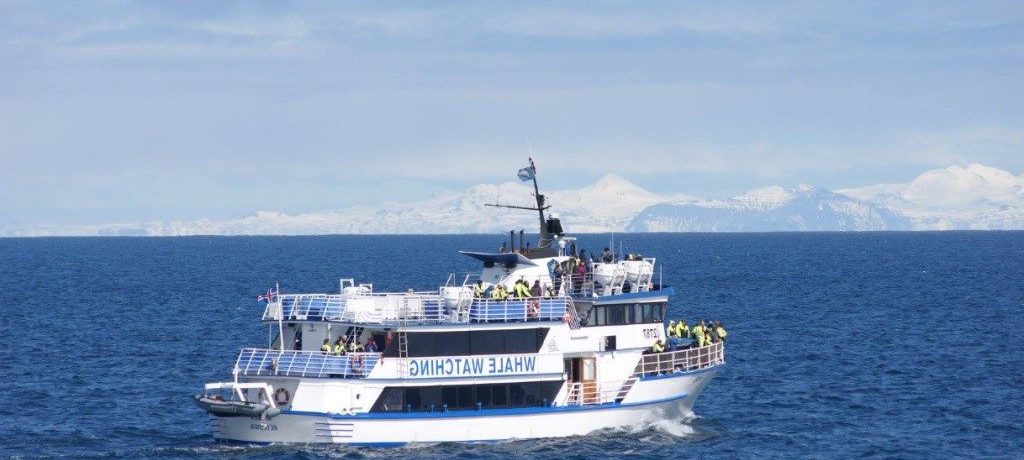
(463, 397)
(463, 343)
(619, 314)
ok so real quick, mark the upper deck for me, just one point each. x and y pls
(414, 309)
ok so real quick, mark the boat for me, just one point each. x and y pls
(583, 347)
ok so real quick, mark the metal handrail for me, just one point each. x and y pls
(293, 363)
(681, 360)
(403, 309)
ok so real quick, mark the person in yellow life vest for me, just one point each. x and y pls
(658, 347)
(682, 330)
(707, 332)
(339, 347)
(698, 334)
(720, 330)
(670, 331)
(478, 290)
(521, 290)
(548, 292)
(326, 347)
(496, 292)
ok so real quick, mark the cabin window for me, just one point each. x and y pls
(620, 314)
(465, 343)
(466, 397)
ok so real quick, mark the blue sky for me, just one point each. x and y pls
(124, 111)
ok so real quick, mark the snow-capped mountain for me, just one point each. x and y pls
(972, 197)
(975, 197)
(605, 206)
(802, 208)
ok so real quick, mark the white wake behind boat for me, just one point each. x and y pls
(454, 365)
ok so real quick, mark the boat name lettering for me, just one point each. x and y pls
(650, 333)
(495, 365)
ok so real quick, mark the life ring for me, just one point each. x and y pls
(281, 397)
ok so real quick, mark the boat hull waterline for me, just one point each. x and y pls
(678, 393)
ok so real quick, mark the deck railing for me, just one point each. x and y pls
(414, 309)
(291, 363)
(681, 360)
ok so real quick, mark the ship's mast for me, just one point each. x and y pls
(544, 239)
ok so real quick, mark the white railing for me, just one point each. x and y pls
(681, 360)
(402, 309)
(291, 363)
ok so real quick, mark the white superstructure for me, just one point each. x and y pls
(453, 365)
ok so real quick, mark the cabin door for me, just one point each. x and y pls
(584, 372)
(588, 377)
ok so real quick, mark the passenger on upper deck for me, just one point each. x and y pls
(478, 290)
(658, 347)
(670, 331)
(548, 292)
(536, 291)
(499, 293)
(608, 257)
(326, 347)
(371, 345)
(521, 290)
(339, 347)
(558, 273)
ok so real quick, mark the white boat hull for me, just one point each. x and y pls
(664, 397)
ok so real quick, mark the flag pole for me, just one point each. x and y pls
(280, 315)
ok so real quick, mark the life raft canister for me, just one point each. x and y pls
(281, 397)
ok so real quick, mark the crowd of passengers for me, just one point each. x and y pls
(576, 268)
(342, 347)
(702, 334)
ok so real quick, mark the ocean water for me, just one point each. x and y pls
(895, 345)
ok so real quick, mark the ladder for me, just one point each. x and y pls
(403, 353)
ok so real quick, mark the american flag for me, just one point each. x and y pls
(269, 296)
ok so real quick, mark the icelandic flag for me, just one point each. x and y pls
(526, 174)
(269, 296)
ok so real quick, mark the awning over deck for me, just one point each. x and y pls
(508, 259)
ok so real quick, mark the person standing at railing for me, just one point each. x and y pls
(548, 292)
(478, 289)
(698, 333)
(339, 347)
(522, 290)
(536, 291)
(558, 273)
(326, 347)
(499, 293)
(720, 331)
(682, 329)
(671, 331)
(658, 347)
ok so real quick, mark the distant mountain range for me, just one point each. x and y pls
(972, 197)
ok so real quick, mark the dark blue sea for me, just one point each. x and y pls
(893, 345)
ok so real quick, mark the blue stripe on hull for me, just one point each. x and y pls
(483, 412)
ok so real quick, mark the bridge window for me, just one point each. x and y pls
(620, 314)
